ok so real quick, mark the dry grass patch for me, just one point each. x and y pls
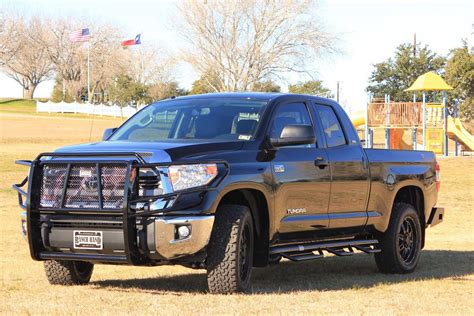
(442, 284)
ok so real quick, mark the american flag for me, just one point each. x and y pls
(81, 35)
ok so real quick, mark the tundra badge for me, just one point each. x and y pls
(300, 210)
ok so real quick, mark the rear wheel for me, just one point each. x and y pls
(230, 251)
(401, 243)
(68, 272)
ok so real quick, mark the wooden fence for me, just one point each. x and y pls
(396, 114)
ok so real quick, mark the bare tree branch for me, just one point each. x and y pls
(22, 57)
(249, 41)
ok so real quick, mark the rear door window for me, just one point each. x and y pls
(332, 128)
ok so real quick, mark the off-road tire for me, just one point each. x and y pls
(61, 272)
(229, 262)
(396, 255)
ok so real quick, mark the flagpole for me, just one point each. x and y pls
(88, 73)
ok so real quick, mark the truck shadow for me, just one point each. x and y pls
(324, 274)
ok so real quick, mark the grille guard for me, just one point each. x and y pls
(29, 200)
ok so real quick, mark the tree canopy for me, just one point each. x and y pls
(397, 73)
(460, 75)
(312, 87)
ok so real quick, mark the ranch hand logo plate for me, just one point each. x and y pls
(88, 240)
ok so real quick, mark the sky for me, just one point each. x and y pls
(368, 32)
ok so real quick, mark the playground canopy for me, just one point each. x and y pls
(429, 81)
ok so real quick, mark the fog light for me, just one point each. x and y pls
(184, 232)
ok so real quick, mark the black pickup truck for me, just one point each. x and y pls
(227, 182)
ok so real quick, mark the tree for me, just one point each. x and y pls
(126, 91)
(250, 41)
(266, 86)
(149, 64)
(396, 74)
(460, 75)
(209, 82)
(312, 87)
(8, 35)
(25, 59)
(164, 90)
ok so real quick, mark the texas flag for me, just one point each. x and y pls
(135, 41)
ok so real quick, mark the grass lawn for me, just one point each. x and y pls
(24, 106)
(443, 282)
(18, 106)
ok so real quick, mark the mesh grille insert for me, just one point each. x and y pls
(82, 188)
(83, 184)
(113, 186)
(53, 178)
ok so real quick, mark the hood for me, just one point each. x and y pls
(155, 152)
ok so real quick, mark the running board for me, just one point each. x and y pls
(310, 251)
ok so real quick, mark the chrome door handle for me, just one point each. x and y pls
(321, 162)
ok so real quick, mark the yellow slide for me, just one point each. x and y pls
(358, 119)
(396, 135)
(455, 129)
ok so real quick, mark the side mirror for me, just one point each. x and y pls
(108, 132)
(294, 135)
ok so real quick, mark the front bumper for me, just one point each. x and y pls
(129, 235)
(157, 237)
(436, 216)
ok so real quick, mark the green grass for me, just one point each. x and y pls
(18, 106)
(28, 106)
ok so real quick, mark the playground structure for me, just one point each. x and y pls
(431, 120)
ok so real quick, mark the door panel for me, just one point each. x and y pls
(301, 188)
(349, 187)
(349, 175)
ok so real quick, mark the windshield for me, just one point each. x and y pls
(221, 118)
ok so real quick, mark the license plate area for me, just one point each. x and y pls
(88, 239)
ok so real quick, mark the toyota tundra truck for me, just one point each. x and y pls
(227, 182)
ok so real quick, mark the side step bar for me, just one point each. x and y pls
(310, 251)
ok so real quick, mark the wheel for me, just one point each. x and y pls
(230, 250)
(401, 243)
(68, 272)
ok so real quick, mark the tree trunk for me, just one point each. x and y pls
(28, 92)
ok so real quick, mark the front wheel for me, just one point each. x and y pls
(63, 272)
(401, 243)
(230, 251)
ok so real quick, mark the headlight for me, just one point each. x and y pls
(184, 177)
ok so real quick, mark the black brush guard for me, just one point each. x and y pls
(29, 200)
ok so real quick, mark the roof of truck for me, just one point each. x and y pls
(251, 95)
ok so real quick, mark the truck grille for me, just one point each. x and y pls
(83, 189)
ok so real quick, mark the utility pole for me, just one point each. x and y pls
(414, 45)
(88, 73)
(337, 92)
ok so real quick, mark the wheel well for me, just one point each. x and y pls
(414, 196)
(256, 202)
